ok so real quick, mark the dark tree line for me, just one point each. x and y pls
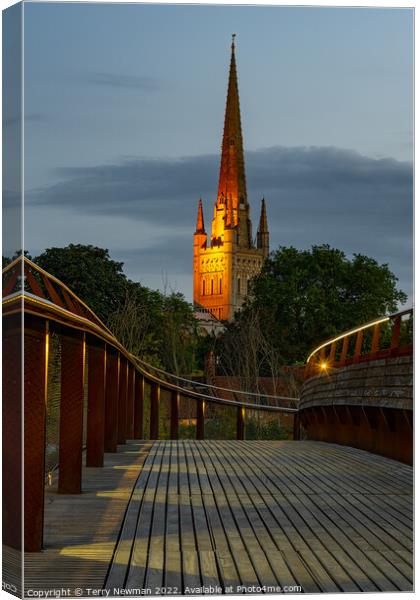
(301, 298)
(156, 326)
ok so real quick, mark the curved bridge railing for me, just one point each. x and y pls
(358, 389)
(380, 338)
(212, 392)
(101, 393)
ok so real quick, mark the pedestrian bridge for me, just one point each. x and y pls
(124, 510)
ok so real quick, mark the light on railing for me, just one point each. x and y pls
(323, 366)
(347, 334)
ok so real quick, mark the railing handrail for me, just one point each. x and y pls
(65, 287)
(215, 399)
(354, 330)
(106, 396)
(216, 387)
(95, 326)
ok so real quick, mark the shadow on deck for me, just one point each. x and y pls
(80, 530)
(231, 516)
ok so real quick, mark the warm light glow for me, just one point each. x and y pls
(345, 334)
(229, 255)
(323, 366)
(47, 354)
(84, 357)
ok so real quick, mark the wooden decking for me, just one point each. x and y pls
(80, 530)
(260, 516)
(229, 517)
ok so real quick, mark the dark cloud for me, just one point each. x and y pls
(144, 189)
(300, 184)
(325, 168)
(133, 82)
(170, 255)
(314, 195)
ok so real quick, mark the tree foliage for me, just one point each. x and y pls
(90, 273)
(303, 297)
(300, 299)
(156, 326)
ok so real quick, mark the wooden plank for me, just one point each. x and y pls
(402, 510)
(173, 564)
(235, 513)
(385, 469)
(379, 577)
(225, 502)
(81, 531)
(189, 550)
(255, 551)
(136, 566)
(118, 571)
(299, 548)
(208, 567)
(210, 485)
(299, 556)
(369, 542)
(156, 553)
(262, 531)
(356, 562)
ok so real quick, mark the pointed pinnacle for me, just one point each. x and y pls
(200, 218)
(263, 227)
(232, 165)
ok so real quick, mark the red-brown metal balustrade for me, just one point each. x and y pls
(37, 305)
(358, 389)
(380, 338)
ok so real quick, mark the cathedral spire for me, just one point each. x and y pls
(232, 165)
(200, 218)
(226, 261)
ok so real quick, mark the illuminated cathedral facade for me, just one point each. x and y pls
(225, 262)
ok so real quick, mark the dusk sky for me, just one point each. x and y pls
(124, 108)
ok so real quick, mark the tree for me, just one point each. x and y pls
(90, 273)
(304, 297)
(179, 335)
(6, 260)
(242, 351)
(137, 322)
(158, 327)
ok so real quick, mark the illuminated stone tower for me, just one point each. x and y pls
(225, 263)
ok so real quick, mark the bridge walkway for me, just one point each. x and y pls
(189, 516)
(237, 515)
(80, 530)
